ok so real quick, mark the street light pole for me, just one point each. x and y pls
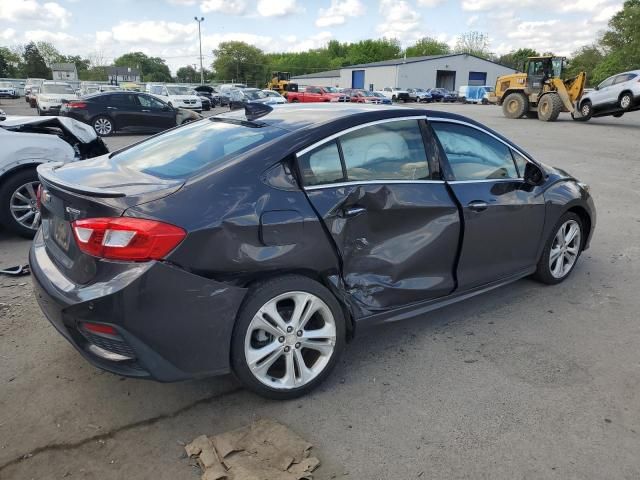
(200, 20)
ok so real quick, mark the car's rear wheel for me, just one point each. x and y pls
(288, 337)
(18, 203)
(103, 126)
(562, 250)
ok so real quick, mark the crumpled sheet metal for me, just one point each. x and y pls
(263, 450)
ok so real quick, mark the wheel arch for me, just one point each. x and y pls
(325, 281)
(17, 167)
(585, 217)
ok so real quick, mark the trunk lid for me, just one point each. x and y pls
(106, 190)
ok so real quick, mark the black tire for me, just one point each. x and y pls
(295, 100)
(625, 101)
(7, 189)
(543, 271)
(549, 107)
(515, 105)
(393, 98)
(100, 131)
(258, 296)
(463, 100)
(531, 114)
(586, 111)
(38, 111)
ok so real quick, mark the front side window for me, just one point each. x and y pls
(386, 151)
(473, 154)
(607, 83)
(150, 102)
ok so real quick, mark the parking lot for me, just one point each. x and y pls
(527, 381)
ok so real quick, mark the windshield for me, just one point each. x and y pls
(109, 88)
(270, 93)
(254, 94)
(378, 94)
(5, 84)
(181, 152)
(56, 89)
(331, 89)
(366, 93)
(179, 90)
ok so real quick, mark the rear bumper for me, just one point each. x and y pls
(175, 325)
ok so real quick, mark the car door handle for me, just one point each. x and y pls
(477, 206)
(111, 108)
(146, 110)
(352, 211)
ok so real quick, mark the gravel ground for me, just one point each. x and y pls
(525, 382)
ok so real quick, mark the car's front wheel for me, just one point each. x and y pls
(18, 203)
(562, 250)
(626, 100)
(103, 126)
(288, 337)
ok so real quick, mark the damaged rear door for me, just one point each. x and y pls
(391, 217)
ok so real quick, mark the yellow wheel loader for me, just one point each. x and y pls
(281, 83)
(540, 92)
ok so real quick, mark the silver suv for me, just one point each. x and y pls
(614, 96)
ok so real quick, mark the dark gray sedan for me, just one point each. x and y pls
(259, 241)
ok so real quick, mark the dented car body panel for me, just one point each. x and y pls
(387, 249)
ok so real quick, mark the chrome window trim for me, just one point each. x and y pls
(369, 182)
(460, 122)
(357, 127)
(487, 180)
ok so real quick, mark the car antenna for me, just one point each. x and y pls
(253, 111)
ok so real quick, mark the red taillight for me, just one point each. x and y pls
(76, 105)
(99, 328)
(123, 238)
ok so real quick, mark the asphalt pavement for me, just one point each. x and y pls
(526, 382)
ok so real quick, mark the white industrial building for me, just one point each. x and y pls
(445, 71)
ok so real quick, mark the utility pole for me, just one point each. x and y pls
(200, 20)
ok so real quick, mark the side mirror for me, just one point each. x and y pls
(596, 88)
(533, 174)
(166, 108)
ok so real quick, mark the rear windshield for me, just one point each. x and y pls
(184, 151)
(56, 89)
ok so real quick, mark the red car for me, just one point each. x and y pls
(363, 96)
(317, 94)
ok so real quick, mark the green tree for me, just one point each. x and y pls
(367, 51)
(427, 46)
(153, 69)
(585, 59)
(187, 74)
(10, 63)
(241, 62)
(49, 53)
(621, 42)
(516, 58)
(473, 43)
(34, 64)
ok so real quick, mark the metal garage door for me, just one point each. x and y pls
(357, 79)
(477, 78)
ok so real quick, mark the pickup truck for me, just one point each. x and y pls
(395, 94)
(317, 94)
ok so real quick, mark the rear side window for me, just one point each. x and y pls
(386, 151)
(321, 165)
(123, 100)
(474, 155)
(182, 152)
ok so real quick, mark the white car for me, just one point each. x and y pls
(8, 90)
(178, 96)
(26, 143)
(51, 95)
(274, 97)
(614, 96)
(395, 94)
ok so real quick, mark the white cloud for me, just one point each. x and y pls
(472, 20)
(430, 3)
(48, 13)
(182, 2)
(606, 13)
(229, 7)
(153, 32)
(545, 5)
(400, 20)
(8, 34)
(338, 12)
(281, 8)
(314, 41)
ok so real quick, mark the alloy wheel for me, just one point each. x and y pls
(24, 206)
(102, 126)
(565, 249)
(586, 110)
(625, 101)
(290, 340)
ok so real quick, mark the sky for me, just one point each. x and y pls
(105, 29)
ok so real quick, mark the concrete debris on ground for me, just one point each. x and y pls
(263, 450)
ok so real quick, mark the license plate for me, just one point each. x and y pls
(61, 233)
